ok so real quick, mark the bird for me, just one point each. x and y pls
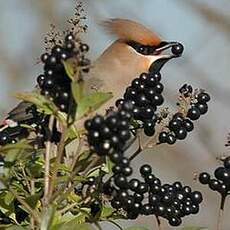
(136, 49)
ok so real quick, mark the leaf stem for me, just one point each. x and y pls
(66, 209)
(59, 156)
(47, 162)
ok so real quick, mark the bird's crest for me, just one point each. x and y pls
(131, 31)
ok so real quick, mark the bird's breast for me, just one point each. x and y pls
(115, 69)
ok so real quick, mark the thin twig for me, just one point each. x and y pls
(91, 165)
(73, 173)
(140, 148)
(98, 226)
(47, 162)
(59, 156)
(129, 144)
(114, 223)
(25, 177)
(32, 185)
(68, 207)
(77, 154)
(221, 213)
(158, 223)
(70, 188)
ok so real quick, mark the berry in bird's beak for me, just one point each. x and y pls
(176, 48)
(163, 57)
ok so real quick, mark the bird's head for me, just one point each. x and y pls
(144, 42)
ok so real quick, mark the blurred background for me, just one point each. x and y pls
(204, 29)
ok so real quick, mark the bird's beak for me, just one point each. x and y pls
(160, 50)
(160, 56)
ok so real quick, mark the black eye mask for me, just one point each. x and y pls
(145, 49)
(142, 49)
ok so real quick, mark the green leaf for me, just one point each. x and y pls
(106, 212)
(72, 130)
(69, 220)
(43, 104)
(72, 110)
(33, 200)
(193, 228)
(47, 218)
(74, 197)
(107, 167)
(136, 228)
(77, 90)
(69, 69)
(26, 126)
(84, 155)
(3, 206)
(20, 145)
(94, 171)
(79, 218)
(9, 197)
(91, 103)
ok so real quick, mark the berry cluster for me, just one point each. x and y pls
(55, 83)
(199, 107)
(180, 125)
(222, 182)
(43, 133)
(178, 128)
(109, 135)
(145, 94)
(150, 197)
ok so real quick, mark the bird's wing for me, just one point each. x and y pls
(21, 112)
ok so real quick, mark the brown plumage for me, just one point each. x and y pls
(129, 30)
(118, 65)
(114, 70)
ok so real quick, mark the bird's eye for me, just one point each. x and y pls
(142, 49)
